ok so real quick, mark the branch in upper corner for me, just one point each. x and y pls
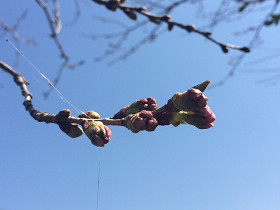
(189, 107)
(252, 43)
(55, 26)
(132, 12)
(13, 30)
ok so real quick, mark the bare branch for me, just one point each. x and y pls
(252, 43)
(77, 13)
(150, 37)
(130, 12)
(57, 19)
(54, 26)
(108, 20)
(13, 30)
(44, 116)
(174, 5)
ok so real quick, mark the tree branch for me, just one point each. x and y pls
(251, 44)
(44, 116)
(131, 13)
(54, 29)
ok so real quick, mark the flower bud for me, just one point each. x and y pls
(189, 100)
(245, 49)
(63, 114)
(164, 117)
(224, 48)
(129, 124)
(143, 120)
(112, 5)
(97, 132)
(71, 129)
(151, 124)
(204, 112)
(146, 114)
(189, 28)
(202, 118)
(170, 26)
(90, 115)
(139, 123)
(137, 106)
(200, 122)
(152, 106)
(130, 14)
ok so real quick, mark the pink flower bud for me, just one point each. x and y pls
(200, 121)
(152, 124)
(151, 100)
(152, 107)
(97, 132)
(205, 112)
(146, 114)
(139, 123)
(143, 120)
(189, 100)
(137, 106)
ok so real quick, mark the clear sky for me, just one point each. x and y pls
(234, 165)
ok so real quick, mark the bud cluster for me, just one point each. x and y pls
(192, 109)
(137, 106)
(143, 120)
(189, 107)
(190, 100)
(97, 132)
(71, 129)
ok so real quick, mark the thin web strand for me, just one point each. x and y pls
(62, 97)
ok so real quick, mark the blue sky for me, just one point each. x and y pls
(234, 165)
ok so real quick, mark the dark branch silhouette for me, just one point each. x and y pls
(158, 19)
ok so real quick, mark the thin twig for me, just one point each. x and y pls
(44, 116)
(77, 14)
(130, 12)
(13, 30)
(54, 29)
(55, 26)
(252, 43)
